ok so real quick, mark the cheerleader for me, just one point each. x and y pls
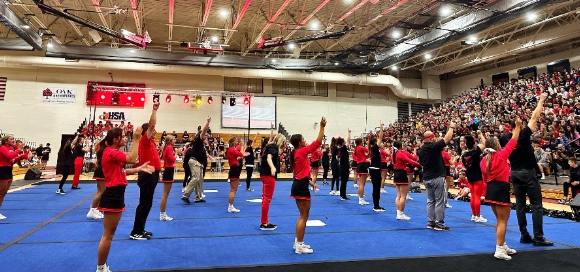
(401, 159)
(299, 191)
(250, 162)
(9, 154)
(343, 165)
(64, 164)
(112, 201)
(334, 167)
(315, 158)
(234, 155)
(99, 176)
(385, 161)
(375, 168)
(471, 160)
(361, 155)
(79, 154)
(168, 172)
(496, 173)
(268, 174)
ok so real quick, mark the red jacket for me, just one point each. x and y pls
(9, 155)
(402, 158)
(301, 168)
(233, 154)
(168, 157)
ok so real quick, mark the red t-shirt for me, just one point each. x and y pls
(499, 168)
(402, 158)
(168, 157)
(301, 165)
(446, 158)
(148, 152)
(130, 127)
(315, 156)
(361, 154)
(463, 182)
(112, 163)
(233, 154)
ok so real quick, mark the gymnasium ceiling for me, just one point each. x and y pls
(438, 36)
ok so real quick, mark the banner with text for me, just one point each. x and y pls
(59, 95)
(113, 115)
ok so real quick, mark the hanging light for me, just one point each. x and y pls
(168, 98)
(156, 98)
(102, 96)
(143, 99)
(186, 99)
(232, 101)
(198, 100)
(246, 100)
(224, 99)
(210, 100)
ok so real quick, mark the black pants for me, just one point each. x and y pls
(376, 180)
(187, 177)
(147, 183)
(325, 168)
(568, 185)
(249, 171)
(335, 177)
(526, 183)
(344, 173)
(65, 173)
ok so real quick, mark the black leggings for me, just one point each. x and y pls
(376, 180)
(568, 185)
(249, 171)
(147, 183)
(65, 173)
(335, 178)
(325, 171)
(187, 177)
(344, 174)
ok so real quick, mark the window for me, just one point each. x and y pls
(289, 87)
(402, 110)
(418, 107)
(243, 85)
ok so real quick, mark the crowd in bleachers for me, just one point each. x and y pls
(491, 108)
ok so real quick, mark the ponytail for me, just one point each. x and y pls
(294, 141)
(102, 145)
(112, 134)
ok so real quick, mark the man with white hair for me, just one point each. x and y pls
(434, 177)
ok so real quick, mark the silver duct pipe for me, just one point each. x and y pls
(16, 25)
(381, 80)
(15, 44)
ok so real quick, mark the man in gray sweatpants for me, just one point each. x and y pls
(197, 164)
(434, 177)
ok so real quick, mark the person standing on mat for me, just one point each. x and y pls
(168, 172)
(361, 155)
(315, 158)
(385, 160)
(334, 168)
(79, 153)
(147, 181)
(471, 160)
(525, 182)
(344, 166)
(375, 168)
(234, 155)
(8, 156)
(112, 203)
(99, 176)
(496, 175)
(186, 157)
(325, 160)
(64, 164)
(197, 164)
(434, 177)
(250, 162)
(301, 169)
(401, 161)
(268, 174)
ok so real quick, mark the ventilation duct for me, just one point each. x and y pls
(15, 44)
(18, 26)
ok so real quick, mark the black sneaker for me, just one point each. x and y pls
(60, 191)
(344, 198)
(199, 201)
(268, 226)
(186, 200)
(138, 236)
(526, 239)
(542, 242)
(75, 188)
(249, 190)
(379, 209)
(441, 227)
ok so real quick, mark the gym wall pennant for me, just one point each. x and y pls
(58, 95)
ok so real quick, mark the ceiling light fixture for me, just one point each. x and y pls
(215, 38)
(446, 11)
(394, 68)
(291, 46)
(224, 13)
(396, 34)
(532, 16)
(428, 56)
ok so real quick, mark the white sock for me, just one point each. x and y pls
(101, 267)
(162, 213)
(399, 212)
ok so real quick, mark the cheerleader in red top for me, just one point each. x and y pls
(463, 186)
(385, 160)
(112, 202)
(315, 164)
(353, 167)
(401, 159)
(496, 172)
(234, 155)
(9, 154)
(299, 191)
(168, 171)
(448, 178)
(361, 154)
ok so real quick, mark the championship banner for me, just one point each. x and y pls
(59, 95)
(113, 115)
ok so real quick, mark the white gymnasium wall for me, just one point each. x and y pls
(25, 115)
(461, 84)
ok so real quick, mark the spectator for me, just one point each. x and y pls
(542, 159)
(573, 183)
(45, 156)
(561, 156)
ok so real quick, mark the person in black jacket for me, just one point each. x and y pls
(325, 163)
(344, 165)
(64, 164)
(573, 183)
(250, 162)
(334, 167)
